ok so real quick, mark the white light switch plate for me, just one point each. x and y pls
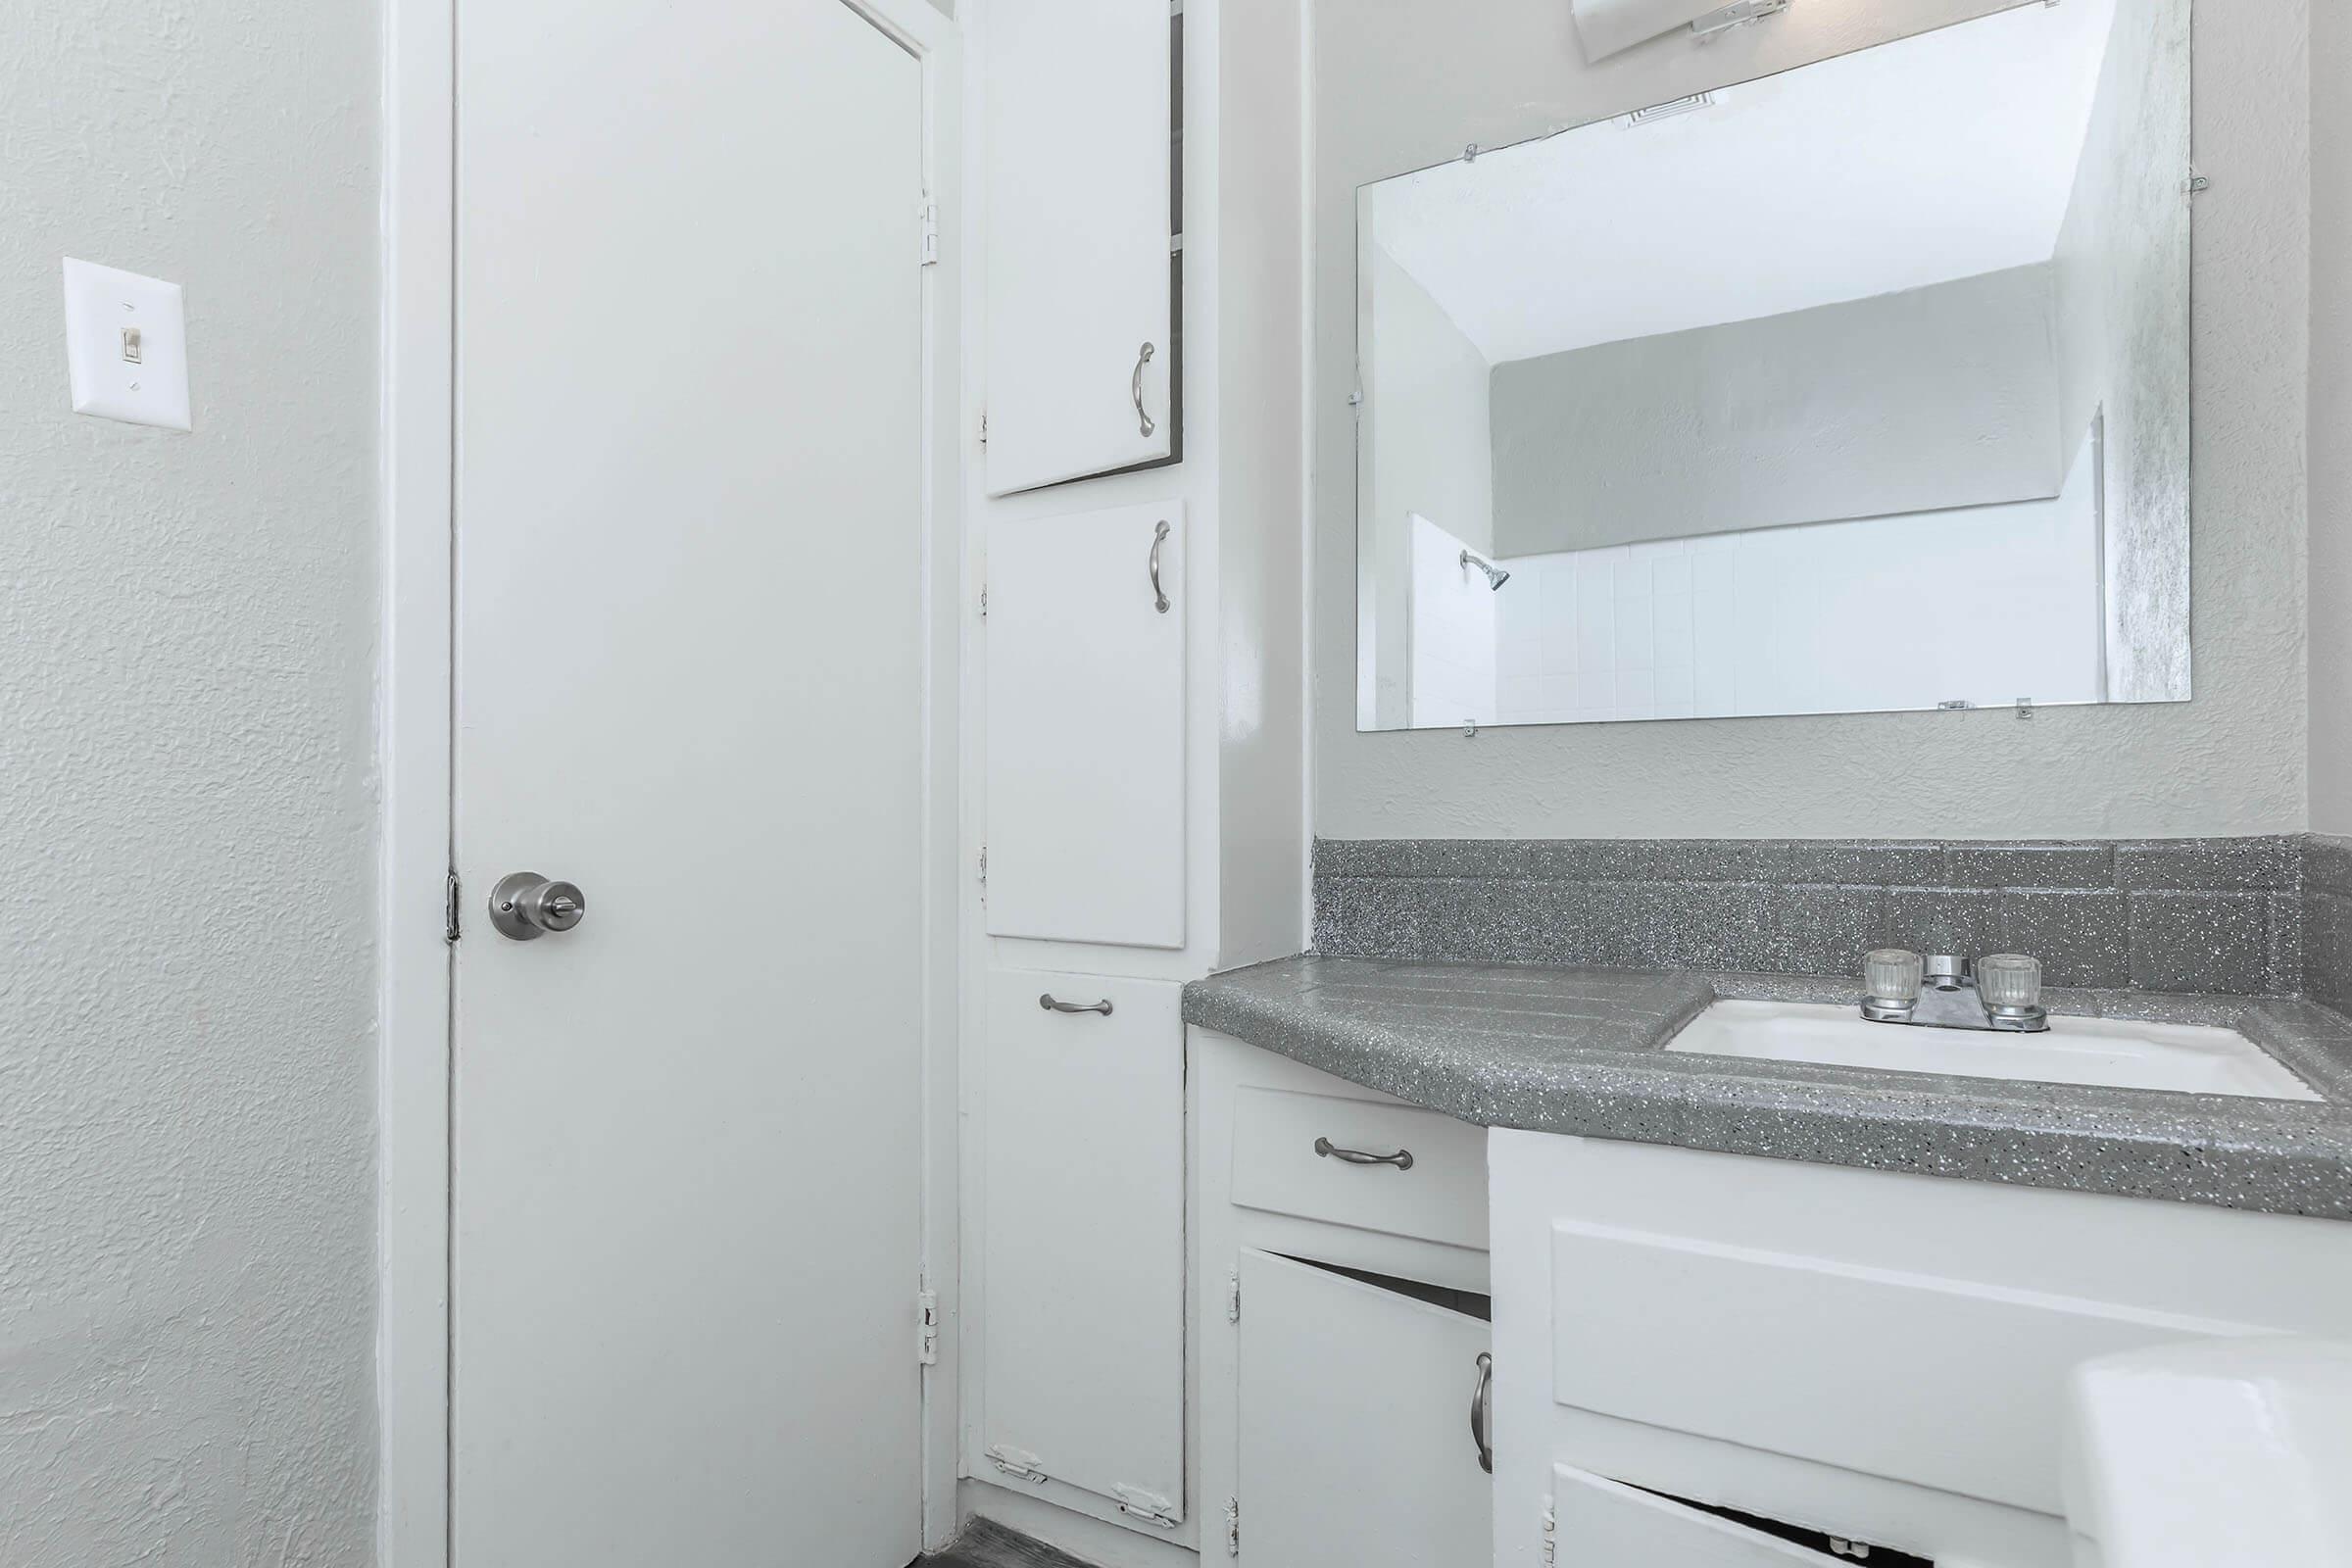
(126, 346)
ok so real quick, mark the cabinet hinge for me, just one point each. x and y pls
(1551, 1530)
(1233, 1297)
(929, 215)
(984, 427)
(983, 873)
(1019, 1464)
(926, 1328)
(1148, 1506)
(448, 906)
(1233, 1527)
(984, 601)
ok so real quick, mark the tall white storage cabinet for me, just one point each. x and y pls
(1134, 777)
(1080, 242)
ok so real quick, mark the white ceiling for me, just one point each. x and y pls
(1936, 156)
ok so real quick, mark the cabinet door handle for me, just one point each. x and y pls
(1134, 390)
(1402, 1159)
(1482, 1413)
(1160, 595)
(1052, 1005)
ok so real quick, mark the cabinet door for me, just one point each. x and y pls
(1600, 1524)
(1082, 1251)
(1355, 1440)
(1077, 177)
(1085, 771)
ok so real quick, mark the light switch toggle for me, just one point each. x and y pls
(126, 346)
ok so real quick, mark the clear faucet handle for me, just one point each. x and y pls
(2009, 980)
(1891, 974)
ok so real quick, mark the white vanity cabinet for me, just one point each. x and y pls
(1878, 1357)
(1077, 212)
(1343, 1319)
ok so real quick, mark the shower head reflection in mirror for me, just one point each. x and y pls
(1860, 387)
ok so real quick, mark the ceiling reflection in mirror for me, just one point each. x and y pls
(1860, 387)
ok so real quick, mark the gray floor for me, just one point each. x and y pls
(987, 1545)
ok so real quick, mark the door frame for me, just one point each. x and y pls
(417, 481)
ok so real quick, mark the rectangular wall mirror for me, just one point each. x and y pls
(1862, 387)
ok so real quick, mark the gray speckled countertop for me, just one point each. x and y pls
(1580, 1051)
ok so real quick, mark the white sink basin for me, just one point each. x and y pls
(2117, 1053)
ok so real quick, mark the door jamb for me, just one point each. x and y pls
(417, 476)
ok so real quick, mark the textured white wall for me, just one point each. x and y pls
(1403, 85)
(187, 1079)
(2123, 296)
(1943, 396)
(2332, 421)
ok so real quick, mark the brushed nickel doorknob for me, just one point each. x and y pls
(526, 905)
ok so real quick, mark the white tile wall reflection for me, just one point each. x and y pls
(1984, 603)
(1456, 641)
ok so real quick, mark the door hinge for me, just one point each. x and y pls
(1019, 1464)
(926, 1328)
(1148, 1506)
(983, 873)
(449, 908)
(1233, 1527)
(984, 601)
(928, 212)
(1552, 1531)
(984, 427)
(1233, 1297)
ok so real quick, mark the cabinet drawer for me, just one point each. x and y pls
(1440, 1196)
(1600, 1524)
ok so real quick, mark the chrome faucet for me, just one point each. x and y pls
(1945, 990)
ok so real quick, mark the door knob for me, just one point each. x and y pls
(526, 905)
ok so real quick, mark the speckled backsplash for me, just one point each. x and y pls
(2240, 916)
(2328, 920)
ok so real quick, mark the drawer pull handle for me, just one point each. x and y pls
(1051, 1004)
(1402, 1159)
(1482, 1413)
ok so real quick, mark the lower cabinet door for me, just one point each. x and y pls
(1082, 1253)
(1356, 1448)
(1597, 1523)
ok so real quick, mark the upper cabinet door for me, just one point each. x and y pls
(1085, 754)
(1078, 158)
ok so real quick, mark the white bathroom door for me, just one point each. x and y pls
(689, 680)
